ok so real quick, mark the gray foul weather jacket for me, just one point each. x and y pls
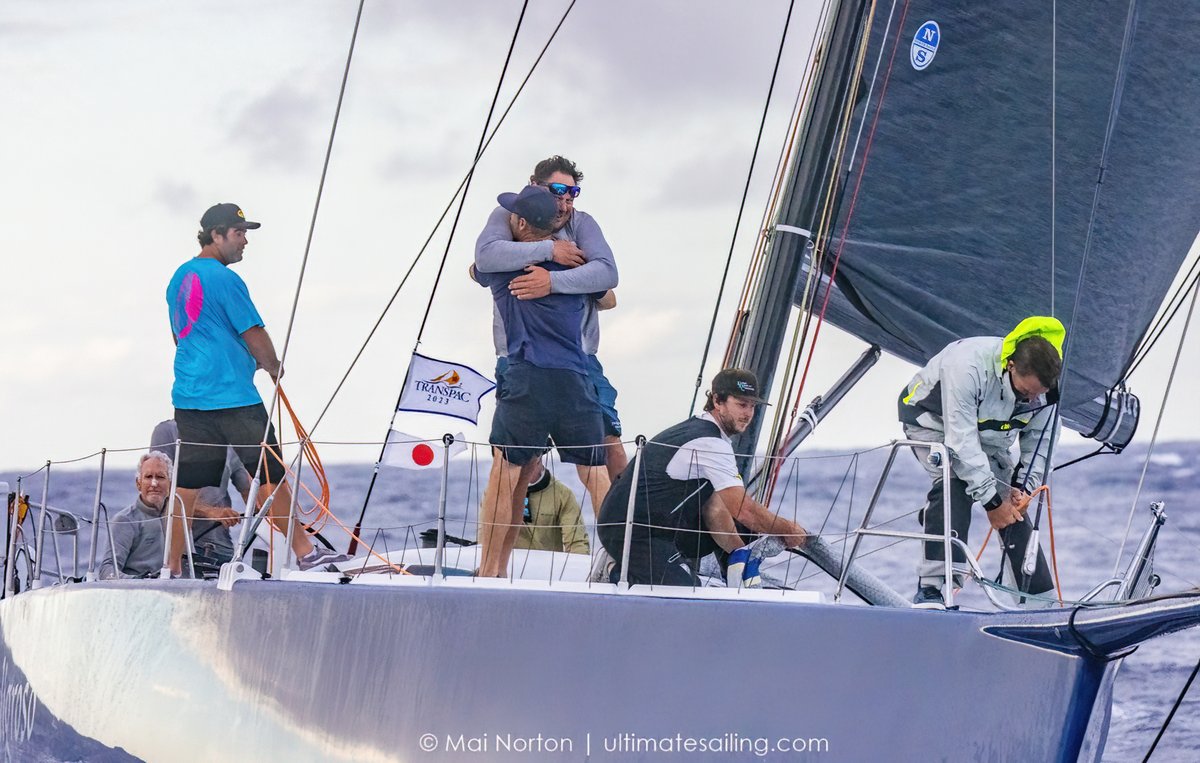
(963, 398)
(137, 543)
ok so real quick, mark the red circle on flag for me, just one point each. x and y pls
(422, 455)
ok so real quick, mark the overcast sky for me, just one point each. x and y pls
(124, 120)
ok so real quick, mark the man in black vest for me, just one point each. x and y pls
(689, 493)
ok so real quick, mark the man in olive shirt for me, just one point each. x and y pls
(552, 518)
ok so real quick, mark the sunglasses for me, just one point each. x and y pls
(562, 189)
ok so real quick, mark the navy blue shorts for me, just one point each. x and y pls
(202, 463)
(534, 404)
(606, 394)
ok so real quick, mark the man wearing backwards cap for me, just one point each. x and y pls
(219, 343)
(546, 391)
(689, 494)
(579, 244)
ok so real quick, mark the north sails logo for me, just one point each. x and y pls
(446, 385)
(925, 45)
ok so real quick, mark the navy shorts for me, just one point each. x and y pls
(606, 394)
(534, 404)
(202, 463)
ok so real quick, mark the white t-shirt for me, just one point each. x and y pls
(706, 458)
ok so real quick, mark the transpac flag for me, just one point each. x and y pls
(411, 452)
(444, 388)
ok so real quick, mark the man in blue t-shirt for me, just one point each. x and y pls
(220, 342)
(546, 392)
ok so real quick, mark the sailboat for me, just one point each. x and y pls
(948, 178)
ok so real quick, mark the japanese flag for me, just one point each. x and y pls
(411, 452)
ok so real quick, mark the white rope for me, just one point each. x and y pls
(874, 76)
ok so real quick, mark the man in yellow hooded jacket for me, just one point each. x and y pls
(979, 396)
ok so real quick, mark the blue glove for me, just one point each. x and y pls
(750, 578)
(737, 565)
(742, 571)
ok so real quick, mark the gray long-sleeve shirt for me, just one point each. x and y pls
(137, 542)
(496, 252)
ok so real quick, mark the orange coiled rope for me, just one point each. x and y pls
(320, 512)
(1053, 551)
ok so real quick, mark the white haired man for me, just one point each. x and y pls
(136, 533)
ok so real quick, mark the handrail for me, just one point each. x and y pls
(938, 457)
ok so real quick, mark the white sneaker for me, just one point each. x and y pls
(321, 557)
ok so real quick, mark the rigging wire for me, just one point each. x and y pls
(812, 283)
(769, 217)
(742, 206)
(1157, 423)
(828, 220)
(754, 273)
(412, 266)
(1053, 149)
(871, 90)
(1171, 715)
(1110, 128)
(462, 199)
(464, 188)
(1168, 314)
(312, 225)
(853, 200)
(1113, 109)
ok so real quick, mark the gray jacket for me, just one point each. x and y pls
(963, 397)
(496, 252)
(137, 543)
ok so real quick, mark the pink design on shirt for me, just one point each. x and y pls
(191, 300)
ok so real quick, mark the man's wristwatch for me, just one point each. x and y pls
(994, 503)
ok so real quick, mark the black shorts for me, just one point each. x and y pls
(654, 559)
(202, 462)
(538, 403)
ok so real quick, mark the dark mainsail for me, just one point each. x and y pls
(1038, 157)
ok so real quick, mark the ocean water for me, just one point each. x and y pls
(829, 492)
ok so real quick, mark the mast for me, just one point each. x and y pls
(758, 348)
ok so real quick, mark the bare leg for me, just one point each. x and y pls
(178, 535)
(278, 515)
(496, 516)
(491, 536)
(614, 449)
(595, 481)
(520, 490)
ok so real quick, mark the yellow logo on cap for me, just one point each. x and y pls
(241, 214)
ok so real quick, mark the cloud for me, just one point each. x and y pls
(176, 196)
(280, 125)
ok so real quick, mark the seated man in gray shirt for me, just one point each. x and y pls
(135, 534)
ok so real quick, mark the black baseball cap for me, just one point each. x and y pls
(226, 216)
(737, 382)
(534, 203)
